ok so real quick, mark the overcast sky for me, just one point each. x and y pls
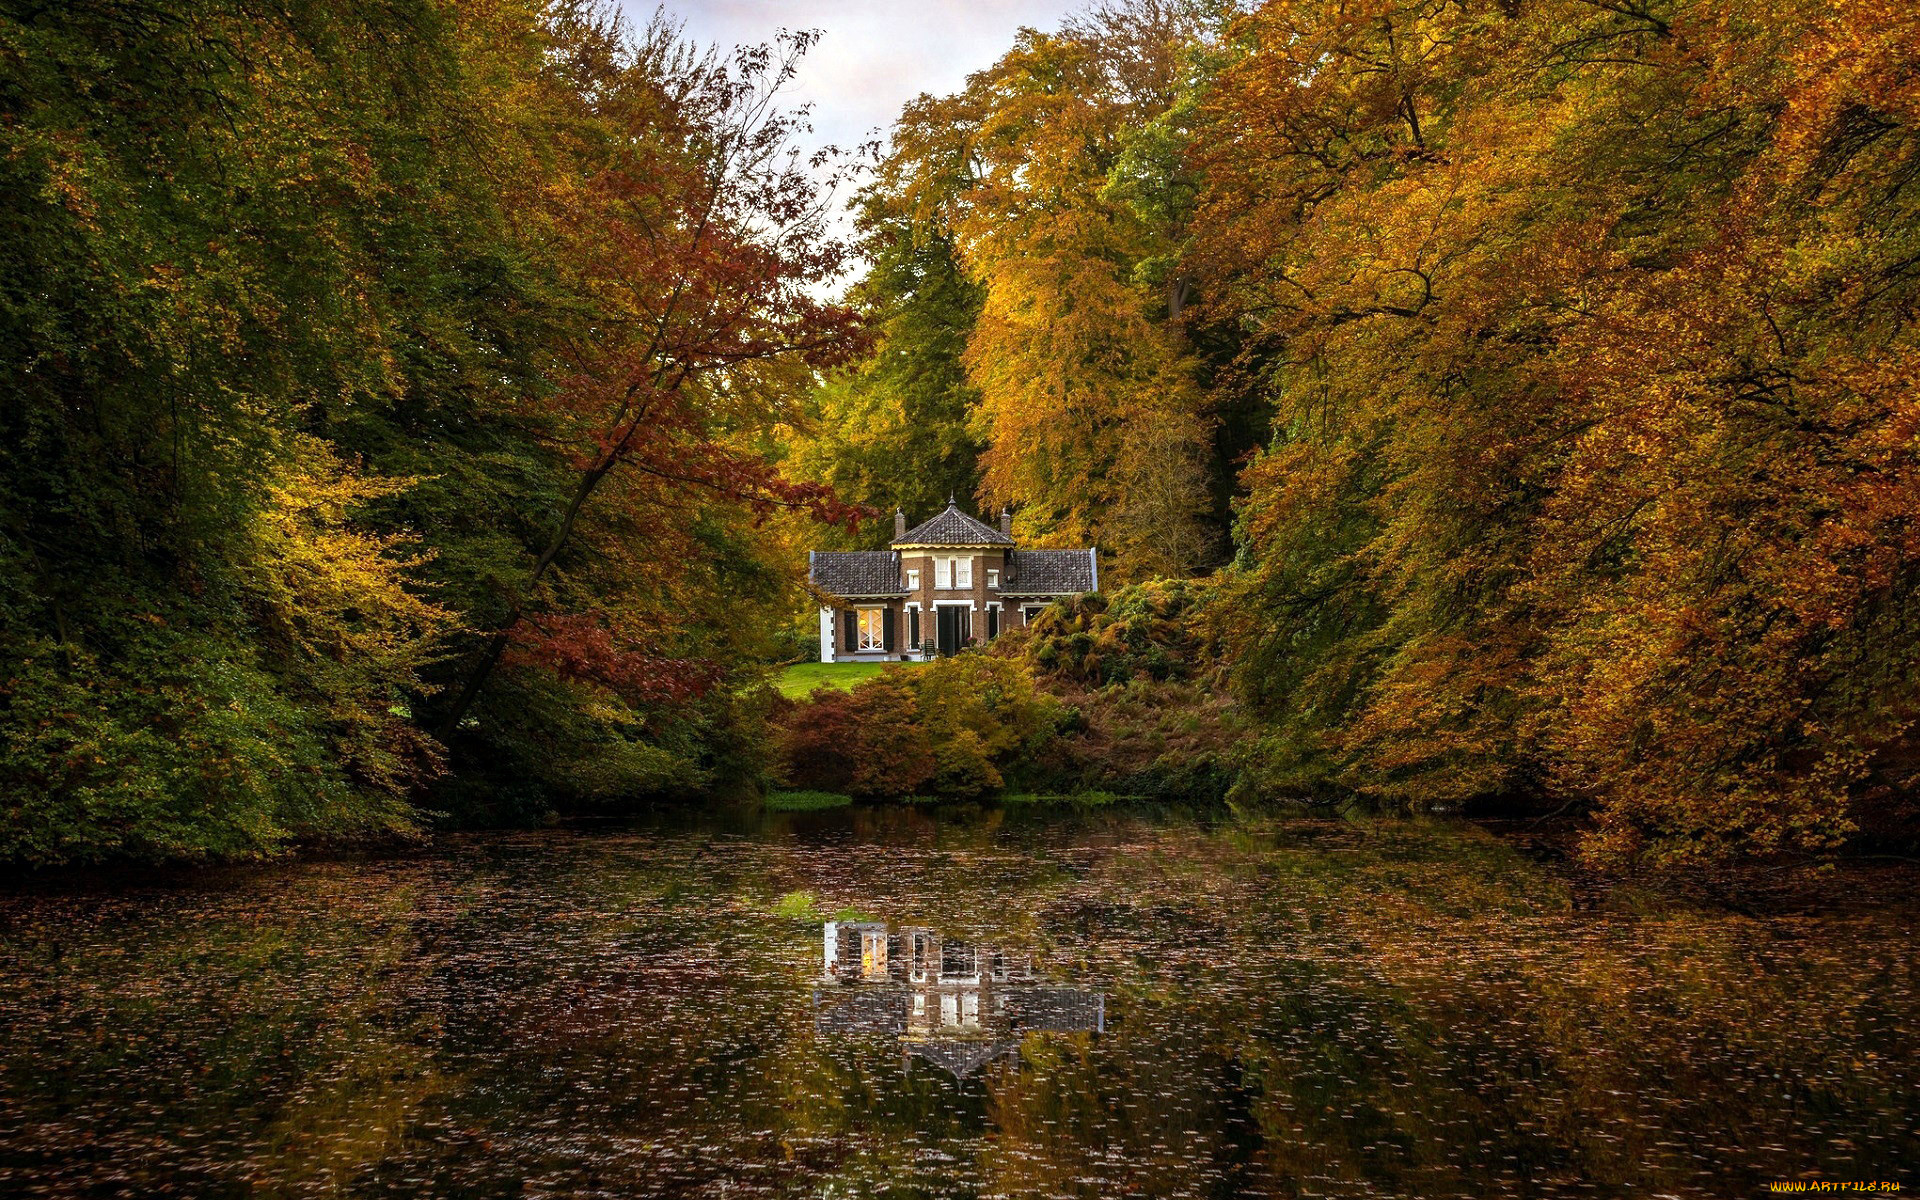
(876, 54)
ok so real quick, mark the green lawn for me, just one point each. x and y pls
(804, 801)
(802, 678)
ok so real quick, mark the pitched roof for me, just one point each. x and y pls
(1050, 573)
(855, 572)
(951, 527)
(961, 1059)
(860, 1009)
(1058, 1009)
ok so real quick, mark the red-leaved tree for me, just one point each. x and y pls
(698, 238)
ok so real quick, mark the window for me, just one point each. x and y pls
(957, 958)
(951, 573)
(913, 580)
(873, 634)
(913, 628)
(1028, 613)
(993, 578)
(873, 955)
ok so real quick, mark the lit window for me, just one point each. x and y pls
(873, 634)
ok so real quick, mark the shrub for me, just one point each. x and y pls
(1147, 631)
(794, 645)
(892, 756)
(953, 726)
(963, 766)
(814, 741)
(994, 698)
(867, 742)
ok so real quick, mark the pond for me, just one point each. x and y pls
(988, 1003)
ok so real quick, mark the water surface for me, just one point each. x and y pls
(891, 1003)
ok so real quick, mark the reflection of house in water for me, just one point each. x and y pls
(955, 1005)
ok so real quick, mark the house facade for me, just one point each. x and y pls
(950, 582)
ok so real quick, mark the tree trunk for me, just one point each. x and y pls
(497, 643)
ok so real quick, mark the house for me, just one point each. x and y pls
(946, 1002)
(950, 582)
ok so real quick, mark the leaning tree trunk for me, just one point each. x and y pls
(496, 644)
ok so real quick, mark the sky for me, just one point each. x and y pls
(876, 54)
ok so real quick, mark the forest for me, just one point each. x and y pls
(414, 414)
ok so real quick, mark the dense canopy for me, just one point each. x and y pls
(379, 385)
(419, 411)
(1577, 344)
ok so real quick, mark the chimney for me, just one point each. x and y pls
(899, 523)
(1006, 521)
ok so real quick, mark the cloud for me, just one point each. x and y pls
(874, 56)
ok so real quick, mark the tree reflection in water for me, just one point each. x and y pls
(1255, 1007)
(955, 1005)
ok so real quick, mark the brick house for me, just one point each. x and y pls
(950, 582)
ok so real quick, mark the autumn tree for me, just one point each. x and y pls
(221, 227)
(1586, 327)
(1085, 394)
(350, 352)
(697, 236)
(893, 431)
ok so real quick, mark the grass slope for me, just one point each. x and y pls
(799, 681)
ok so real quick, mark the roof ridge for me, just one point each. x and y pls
(952, 527)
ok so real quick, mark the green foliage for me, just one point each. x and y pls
(293, 310)
(798, 906)
(212, 645)
(795, 646)
(1062, 800)
(893, 431)
(99, 765)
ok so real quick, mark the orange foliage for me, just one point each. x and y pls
(1095, 424)
(1591, 332)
